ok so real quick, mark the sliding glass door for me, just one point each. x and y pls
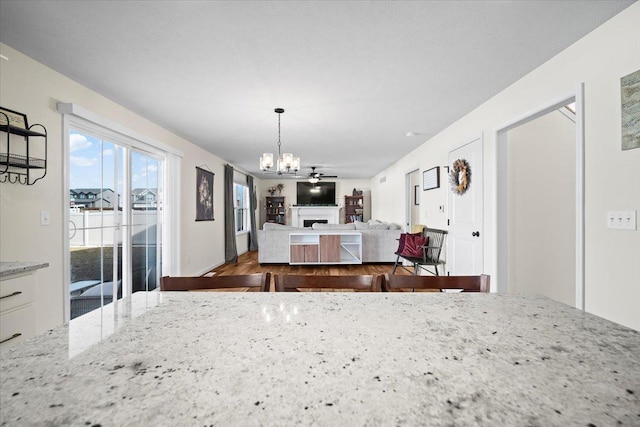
(114, 221)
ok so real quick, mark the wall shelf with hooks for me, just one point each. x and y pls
(18, 164)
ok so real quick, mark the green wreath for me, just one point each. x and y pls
(460, 176)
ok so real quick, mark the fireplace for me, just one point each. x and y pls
(310, 222)
(324, 214)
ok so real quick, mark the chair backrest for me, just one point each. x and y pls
(401, 283)
(297, 283)
(434, 244)
(259, 282)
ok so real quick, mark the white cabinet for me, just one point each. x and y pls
(325, 248)
(17, 308)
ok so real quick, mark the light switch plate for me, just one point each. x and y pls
(621, 220)
(44, 217)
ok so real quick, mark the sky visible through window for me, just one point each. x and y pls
(86, 163)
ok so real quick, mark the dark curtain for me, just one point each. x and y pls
(253, 203)
(230, 250)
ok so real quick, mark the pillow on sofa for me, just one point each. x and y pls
(319, 226)
(361, 225)
(393, 226)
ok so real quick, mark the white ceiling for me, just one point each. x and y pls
(353, 77)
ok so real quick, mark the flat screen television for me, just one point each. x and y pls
(321, 193)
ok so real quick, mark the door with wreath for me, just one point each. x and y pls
(465, 202)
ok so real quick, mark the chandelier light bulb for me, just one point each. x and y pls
(266, 161)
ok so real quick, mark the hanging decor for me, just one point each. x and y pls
(460, 176)
(204, 195)
(286, 163)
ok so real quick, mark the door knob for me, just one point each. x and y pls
(476, 234)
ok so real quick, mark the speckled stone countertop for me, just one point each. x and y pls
(326, 359)
(9, 268)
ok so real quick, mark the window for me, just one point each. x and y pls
(241, 208)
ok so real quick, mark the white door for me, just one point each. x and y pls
(464, 242)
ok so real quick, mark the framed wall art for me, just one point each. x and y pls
(431, 178)
(204, 195)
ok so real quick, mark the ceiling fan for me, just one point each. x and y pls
(314, 176)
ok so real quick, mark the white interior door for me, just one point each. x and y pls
(465, 240)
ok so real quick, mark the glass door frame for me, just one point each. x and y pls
(77, 119)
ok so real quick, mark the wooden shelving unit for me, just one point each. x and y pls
(353, 209)
(275, 209)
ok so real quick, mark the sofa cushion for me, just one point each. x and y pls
(275, 226)
(381, 226)
(319, 226)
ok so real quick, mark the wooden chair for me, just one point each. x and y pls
(401, 283)
(296, 283)
(259, 282)
(430, 253)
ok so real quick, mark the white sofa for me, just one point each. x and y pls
(379, 240)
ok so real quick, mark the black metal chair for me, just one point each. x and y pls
(430, 253)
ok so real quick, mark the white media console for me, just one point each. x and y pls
(325, 248)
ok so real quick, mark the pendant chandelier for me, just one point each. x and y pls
(286, 162)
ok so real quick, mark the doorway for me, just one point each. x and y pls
(114, 223)
(540, 208)
(412, 186)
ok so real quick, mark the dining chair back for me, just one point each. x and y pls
(259, 282)
(300, 283)
(401, 283)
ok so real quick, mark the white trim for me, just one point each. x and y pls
(172, 218)
(66, 202)
(77, 111)
(500, 190)
(208, 269)
(580, 206)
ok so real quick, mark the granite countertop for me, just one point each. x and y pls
(209, 358)
(9, 268)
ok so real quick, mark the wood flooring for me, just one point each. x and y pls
(248, 264)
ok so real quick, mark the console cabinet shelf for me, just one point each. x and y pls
(275, 209)
(325, 248)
